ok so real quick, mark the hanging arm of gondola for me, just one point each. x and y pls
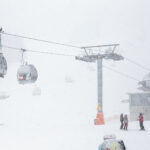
(22, 57)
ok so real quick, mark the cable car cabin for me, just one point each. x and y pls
(3, 66)
(27, 74)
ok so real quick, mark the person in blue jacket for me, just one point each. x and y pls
(100, 147)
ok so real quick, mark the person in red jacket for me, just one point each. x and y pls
(141, 120)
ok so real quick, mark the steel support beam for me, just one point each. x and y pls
(100, 85)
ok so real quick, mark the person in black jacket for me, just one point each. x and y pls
(121, 120)
(122, 145)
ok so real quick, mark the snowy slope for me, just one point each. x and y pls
(62, 117)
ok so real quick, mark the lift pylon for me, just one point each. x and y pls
(96, 54)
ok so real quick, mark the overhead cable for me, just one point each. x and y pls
(137, 64)
(40, 40)
(123, 74)
(61, 54)
(35, 51)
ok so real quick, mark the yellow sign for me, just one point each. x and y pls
(99, 107)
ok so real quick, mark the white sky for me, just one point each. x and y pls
(87, 22)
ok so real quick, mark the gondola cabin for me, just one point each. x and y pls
(27, 74)
(3, 66)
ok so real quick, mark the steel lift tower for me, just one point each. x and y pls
(97, 54)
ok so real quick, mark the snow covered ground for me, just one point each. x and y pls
(62, 116)
(68, 136)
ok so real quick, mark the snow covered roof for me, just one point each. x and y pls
(138, 91)
(147, 77)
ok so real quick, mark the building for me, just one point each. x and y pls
(139, 102)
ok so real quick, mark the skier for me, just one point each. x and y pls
(110, 143)
(100, 147)
(122, 145)
(125, 122)
(114, 145)
(141, 120)
(121, 120)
